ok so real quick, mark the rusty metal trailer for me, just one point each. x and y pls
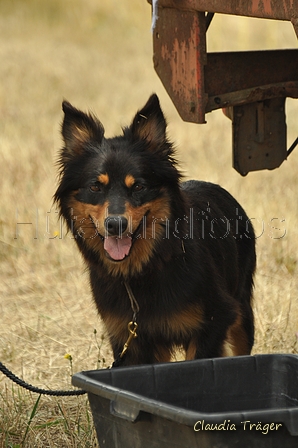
(250, 86)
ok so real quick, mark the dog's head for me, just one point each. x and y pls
(116, 193)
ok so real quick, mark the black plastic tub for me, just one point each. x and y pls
(246, 401)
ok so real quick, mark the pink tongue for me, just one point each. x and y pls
(117, 248)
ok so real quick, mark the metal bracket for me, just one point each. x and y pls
(253, 83)
(259, 135)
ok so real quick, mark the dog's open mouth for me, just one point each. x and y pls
(117, 248)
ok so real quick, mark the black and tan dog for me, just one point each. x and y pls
(180, 256)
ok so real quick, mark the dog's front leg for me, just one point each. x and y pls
(142, 351)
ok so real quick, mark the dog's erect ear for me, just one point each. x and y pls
(149, 124)
(78, 129)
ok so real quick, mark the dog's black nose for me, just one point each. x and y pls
(115, 225)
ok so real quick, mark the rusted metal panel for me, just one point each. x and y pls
(259, 135)
(231, 71)
(179, 45)
(267, 9)
(237, 77)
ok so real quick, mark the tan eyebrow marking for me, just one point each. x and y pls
(104, 179)
(129, 180)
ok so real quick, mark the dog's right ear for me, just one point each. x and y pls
(78, 129)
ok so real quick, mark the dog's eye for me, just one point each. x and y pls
(137, 187)
(95, 188)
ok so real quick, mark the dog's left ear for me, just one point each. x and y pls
(150, 125)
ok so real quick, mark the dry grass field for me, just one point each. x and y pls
(98, 55)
